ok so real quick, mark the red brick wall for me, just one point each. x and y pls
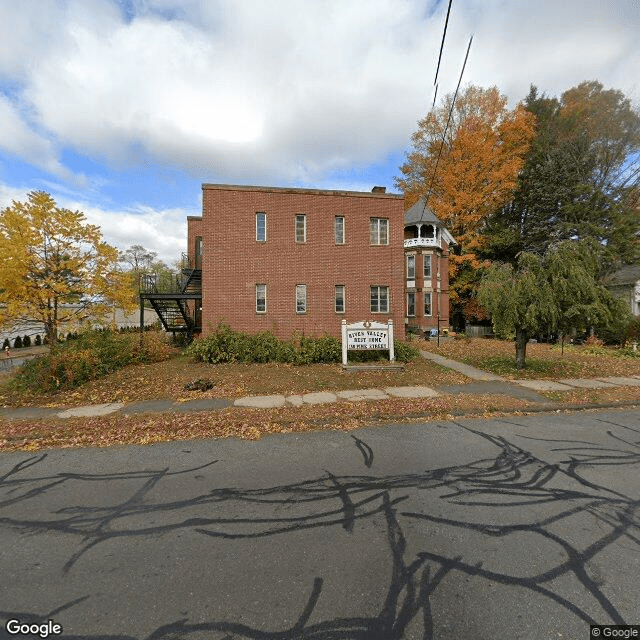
(194, 229)
(234, 262)
(444, 285)
(439, 302)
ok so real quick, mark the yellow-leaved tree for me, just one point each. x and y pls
(55, 268)
(467, 171)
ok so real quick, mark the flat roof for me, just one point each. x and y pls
(333, 192)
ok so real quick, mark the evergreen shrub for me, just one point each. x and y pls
(632, 331)
(405, 352)
(26, 341)
(227, 345)
(17, 343)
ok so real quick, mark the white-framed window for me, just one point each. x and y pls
(378, 230)
(427, 265)
(427, 304)
(338, 228)
(379, 299)
(301, 227)
(261, 298)
(339, 297)
(411, 266)
(301, 298)
(411, 303)
(261, 226)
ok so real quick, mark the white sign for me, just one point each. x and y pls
(367, 339)
(367, 335)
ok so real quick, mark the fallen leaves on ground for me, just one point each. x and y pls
(249, 424)
(595, 396)
(166, 380)
(544, 361)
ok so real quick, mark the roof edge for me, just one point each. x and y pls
(334, 192)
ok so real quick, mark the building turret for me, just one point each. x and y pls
(426, 254)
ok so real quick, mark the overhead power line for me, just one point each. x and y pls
(444, 33)
(444, 133)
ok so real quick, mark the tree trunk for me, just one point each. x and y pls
(50, 332)
(522, 337)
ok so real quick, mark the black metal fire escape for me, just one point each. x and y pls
(180, 310)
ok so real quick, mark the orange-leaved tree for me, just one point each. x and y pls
(467, 170)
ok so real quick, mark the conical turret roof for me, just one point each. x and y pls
(420, 212)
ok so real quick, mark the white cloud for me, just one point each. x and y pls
(281, 92)
(19, 139)
(161, 230)
(9, 194)
(277, 93)
(270, 88)
(27, 35)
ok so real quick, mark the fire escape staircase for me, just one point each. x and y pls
(178, 310)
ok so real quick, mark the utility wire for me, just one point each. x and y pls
(444, 133)
(444, 33)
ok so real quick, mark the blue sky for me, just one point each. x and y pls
(123, 108)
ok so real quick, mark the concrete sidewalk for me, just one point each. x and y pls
(483, 383)
(521, 389)
(460, 367)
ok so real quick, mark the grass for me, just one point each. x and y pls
(544, 361)
(588, 397)
(536, 368)
(167, 379)
(249, 424)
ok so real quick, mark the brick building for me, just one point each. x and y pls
(426, 254)
(298, 260)
(301, 260)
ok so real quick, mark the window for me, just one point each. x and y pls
(411, 304)
(427, 265)
(301, 228)
(261, 226)
(339, 229)
(427, 304)
(411, 267)
(261, 298)
(301, 298)
(339, 298)
(198, 253)
(379, 299)
(379, 231)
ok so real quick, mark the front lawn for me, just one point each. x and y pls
(544, 361)
(167, 379)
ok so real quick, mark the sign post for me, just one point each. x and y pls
(368, 336)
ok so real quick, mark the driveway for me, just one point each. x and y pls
(522, 527)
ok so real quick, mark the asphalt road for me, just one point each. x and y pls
(518, 528)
